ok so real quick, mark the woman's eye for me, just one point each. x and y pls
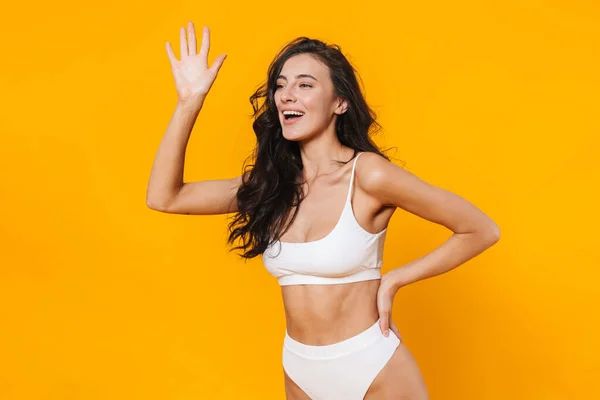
(301, 85)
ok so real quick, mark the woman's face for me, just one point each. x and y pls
(304, 85)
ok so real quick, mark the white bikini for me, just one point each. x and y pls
(343, 370)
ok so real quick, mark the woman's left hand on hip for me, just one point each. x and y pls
(385, 298)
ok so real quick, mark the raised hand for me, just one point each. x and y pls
(193, 77)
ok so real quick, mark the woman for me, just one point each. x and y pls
(312, 129)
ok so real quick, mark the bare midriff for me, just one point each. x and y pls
(319, 315)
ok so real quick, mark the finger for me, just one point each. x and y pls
(384, 324)
(171, 55)
(218, 62)
(191, 39)
(182, 43)
(205, 46)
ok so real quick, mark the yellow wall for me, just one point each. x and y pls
(102, 298)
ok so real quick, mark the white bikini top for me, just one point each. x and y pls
(347, 254)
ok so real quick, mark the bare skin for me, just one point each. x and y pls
(311, 313)
(312, 310)
(322, 314)
(400, 379)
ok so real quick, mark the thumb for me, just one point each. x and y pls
(384, 324)
(218, 62)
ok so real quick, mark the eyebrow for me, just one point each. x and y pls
(299, 76)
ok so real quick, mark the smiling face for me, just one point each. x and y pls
(304, 85)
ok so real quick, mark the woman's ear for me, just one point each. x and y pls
(342, 106)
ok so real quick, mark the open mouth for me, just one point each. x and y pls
(292, 117)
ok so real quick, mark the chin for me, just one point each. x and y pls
(294, 136)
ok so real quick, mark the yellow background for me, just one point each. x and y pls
(103, 298)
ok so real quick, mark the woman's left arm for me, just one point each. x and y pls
(473, 230)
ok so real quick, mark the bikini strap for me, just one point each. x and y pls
(352, 177)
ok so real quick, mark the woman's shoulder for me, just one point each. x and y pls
(374, 172)
(370, 161)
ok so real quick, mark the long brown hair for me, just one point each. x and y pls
(269, 188)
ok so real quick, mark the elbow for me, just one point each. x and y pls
(493, 233)
(155, 206)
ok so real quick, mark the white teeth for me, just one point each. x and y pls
(293, 113)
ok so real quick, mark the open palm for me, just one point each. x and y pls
(193, 77)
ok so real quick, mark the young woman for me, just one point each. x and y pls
(316, 207)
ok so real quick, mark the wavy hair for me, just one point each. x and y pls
(269, 188)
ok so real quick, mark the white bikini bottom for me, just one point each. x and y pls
(341, 371)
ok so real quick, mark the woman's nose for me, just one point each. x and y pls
(286, 95)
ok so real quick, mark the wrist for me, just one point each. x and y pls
(397, 281)
(192, 104)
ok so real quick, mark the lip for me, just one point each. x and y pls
(292, 121)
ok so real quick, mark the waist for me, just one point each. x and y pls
(326, 314)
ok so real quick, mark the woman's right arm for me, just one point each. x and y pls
(166, 190)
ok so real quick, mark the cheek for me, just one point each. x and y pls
(313, 103)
